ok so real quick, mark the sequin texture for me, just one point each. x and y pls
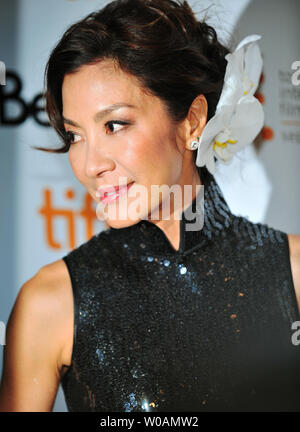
(203, 328)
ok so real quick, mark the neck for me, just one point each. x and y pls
(203, 221)
(171, 226)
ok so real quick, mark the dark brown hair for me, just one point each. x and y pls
(160, 42)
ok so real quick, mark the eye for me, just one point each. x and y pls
(111, 124)
(70, 137)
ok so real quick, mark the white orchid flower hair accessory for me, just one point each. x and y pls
(239, 115)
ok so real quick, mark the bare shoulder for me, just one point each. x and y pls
(294, 246)
(53, 272)
(50, 290)
(38, 340)
(57, 279)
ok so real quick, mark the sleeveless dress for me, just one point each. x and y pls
(204, 328)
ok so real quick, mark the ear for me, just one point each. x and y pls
(192, 126)
(197, 116)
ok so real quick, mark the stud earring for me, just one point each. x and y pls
(194, 144)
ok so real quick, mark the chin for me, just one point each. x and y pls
(118, 224)
(121, 217)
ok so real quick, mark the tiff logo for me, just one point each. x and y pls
(50, 212)
(2, 73)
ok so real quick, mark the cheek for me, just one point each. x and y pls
(76, 162)
(154, 156)
(165, 160)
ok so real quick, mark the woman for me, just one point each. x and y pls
(150, 315)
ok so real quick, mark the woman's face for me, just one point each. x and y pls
(145, 150)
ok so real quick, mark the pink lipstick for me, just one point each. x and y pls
(114, 194)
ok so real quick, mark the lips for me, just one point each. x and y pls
(108, 192)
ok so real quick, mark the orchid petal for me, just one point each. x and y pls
(247, 121)
(247, 40)
(253, 66)
(245, 62)
(215, 125)
(239, 116)
(204, 155)
(211, 165)
(233, 86)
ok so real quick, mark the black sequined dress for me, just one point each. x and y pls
(204, 328)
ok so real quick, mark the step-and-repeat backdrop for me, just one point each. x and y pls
(45, 212)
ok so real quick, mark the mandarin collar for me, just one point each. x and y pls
(206, 217)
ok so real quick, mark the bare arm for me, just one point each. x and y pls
(31, 359)
(294, 245)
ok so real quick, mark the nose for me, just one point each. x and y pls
(96, 162)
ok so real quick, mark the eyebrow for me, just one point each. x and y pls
(100, 114)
